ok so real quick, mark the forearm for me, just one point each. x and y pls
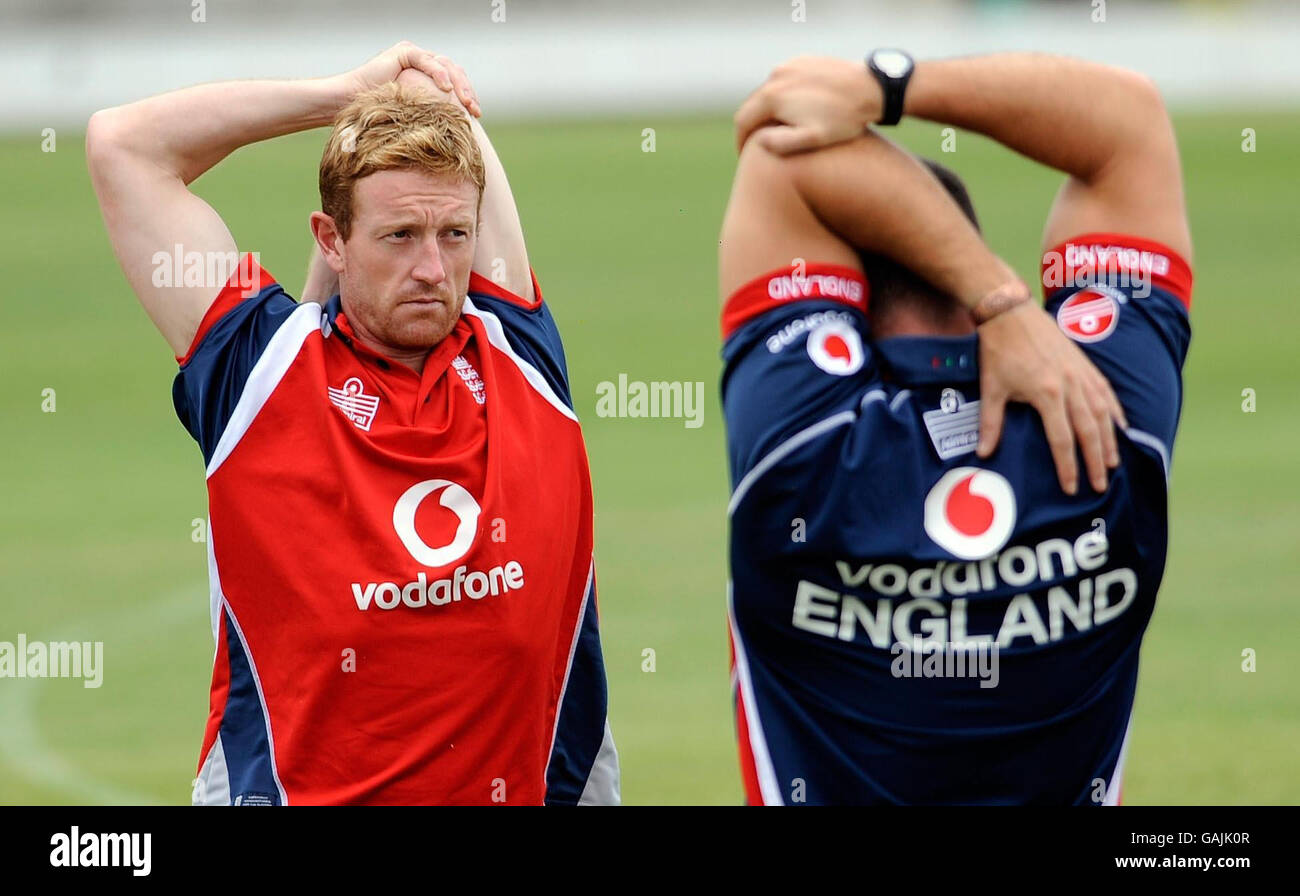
(322, 283)
(879, 199)
(1070, 114)
(188, 131)
(1087, 120)
(500, 253)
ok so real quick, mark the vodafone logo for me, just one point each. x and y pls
(454, 498)
(458, 583)
(970, 512)
(1089, 315)
(836, 348)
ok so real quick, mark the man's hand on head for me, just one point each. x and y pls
(393, 63)
(416, 80)
(809, 102)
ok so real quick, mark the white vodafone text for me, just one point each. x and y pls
(475, 585)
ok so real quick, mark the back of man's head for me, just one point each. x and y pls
(901, 301)
(389, 127)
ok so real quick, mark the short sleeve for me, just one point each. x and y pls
(795, 353)
(1126, 300)
(231, 338)
(529, 328)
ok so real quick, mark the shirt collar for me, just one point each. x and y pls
(337, 324)
(439, 359)
(930, 360)
(333, 307)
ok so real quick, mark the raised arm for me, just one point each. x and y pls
(143, 156)
(810, 103)
(864, 195)
(868, 195)
(1104, 127)
(499, 253)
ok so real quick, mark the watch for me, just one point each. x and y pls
(892, 69)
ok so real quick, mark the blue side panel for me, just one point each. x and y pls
(244, 731)
(208, 385)
(581, 727)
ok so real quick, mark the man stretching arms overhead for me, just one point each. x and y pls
(400, 540)
(915, 619)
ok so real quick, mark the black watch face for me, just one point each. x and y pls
(893, 63)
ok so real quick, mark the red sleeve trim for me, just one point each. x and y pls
(1115, 259)
(483, 286)
(247, 281)
(784, 285)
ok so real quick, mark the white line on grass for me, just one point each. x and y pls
(22, 747)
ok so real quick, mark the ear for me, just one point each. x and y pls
(328, 239)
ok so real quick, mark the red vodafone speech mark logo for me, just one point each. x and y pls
(454, 498)
(836, 348)
(970, 512)
(1089, 315)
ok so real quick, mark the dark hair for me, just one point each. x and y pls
(893, 285)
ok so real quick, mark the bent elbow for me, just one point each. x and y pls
(1144, 96)
(103, 140)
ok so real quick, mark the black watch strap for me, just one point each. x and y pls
(892, 69)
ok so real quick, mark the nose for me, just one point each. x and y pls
(429, 268)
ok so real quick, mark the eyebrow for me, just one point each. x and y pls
(393, 224)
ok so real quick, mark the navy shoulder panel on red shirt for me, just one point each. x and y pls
(230, 341)
(529, 328)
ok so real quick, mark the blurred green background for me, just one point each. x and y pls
(99, 496)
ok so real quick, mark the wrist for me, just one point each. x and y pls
(333, 92)
(891, 70)
(918, 88)
(870, 98)
(1000, 300)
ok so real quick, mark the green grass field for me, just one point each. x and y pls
(98, 497)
